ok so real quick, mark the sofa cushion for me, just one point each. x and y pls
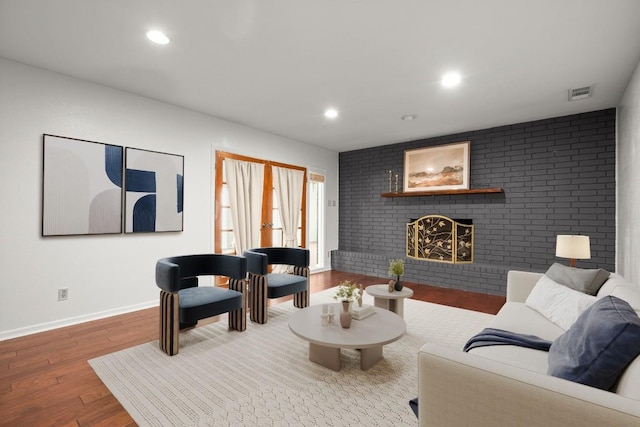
(629, 382)
(628, 294)
(558, 303)
(612, 282)
(580, 279)
(517, 317)
(599, 346)
(525, 358)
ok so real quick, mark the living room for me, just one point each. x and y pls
(592, 189)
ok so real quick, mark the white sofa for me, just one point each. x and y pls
(506, 385)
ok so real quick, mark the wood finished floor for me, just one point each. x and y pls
(45, 379)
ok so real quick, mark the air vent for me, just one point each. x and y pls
(579, 93)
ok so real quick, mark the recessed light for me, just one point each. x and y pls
(451, 79)
(408, 117)
(157, 37)
(331, 113)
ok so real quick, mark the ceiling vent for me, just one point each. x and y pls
(580, 93)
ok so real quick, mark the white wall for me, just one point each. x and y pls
(628, 181)
(108, 274)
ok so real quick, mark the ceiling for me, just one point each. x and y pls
(276, 65)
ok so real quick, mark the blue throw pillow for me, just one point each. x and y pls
(597, 348)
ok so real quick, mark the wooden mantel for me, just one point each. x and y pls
(444, 192)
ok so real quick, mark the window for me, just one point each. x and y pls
(271, 230)
(225, 232)
(316, 220)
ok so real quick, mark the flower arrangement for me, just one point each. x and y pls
(396, 267)
(347, 291)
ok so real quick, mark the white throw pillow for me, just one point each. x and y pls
(558, 303)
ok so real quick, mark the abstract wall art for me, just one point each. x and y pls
(154, 184)
(81, 187)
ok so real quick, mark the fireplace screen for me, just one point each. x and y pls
(441, 239)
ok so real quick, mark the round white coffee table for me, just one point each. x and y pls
(392, 301)
(368, 335)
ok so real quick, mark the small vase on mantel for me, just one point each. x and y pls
(345, 315)
(398, 285)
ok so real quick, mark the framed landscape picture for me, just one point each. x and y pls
(154, 184)
(81, 187)
(442, 167)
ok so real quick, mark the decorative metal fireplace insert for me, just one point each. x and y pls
(441, 239)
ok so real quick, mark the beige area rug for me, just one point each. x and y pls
(263, 376)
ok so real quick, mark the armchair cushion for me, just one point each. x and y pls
(280, 285)
(207, 301)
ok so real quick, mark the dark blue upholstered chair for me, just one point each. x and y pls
(263, 285)
(183, 302)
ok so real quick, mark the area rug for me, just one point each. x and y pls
(263, 376)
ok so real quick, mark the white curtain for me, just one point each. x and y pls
(245, 181)
(288, 186)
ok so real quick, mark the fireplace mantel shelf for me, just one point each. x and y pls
(443, 192)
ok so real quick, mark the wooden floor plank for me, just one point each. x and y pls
(45, 379)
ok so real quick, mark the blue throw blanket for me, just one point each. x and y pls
(490, 336)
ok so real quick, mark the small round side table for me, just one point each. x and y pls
(392, 301)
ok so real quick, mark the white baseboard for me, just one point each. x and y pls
(42, 327)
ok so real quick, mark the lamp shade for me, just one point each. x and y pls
(574, 247)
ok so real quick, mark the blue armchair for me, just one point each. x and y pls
(183, 302)
(263, 285)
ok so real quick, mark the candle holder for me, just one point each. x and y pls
(389, 181)
(396, 183)
(324, 319)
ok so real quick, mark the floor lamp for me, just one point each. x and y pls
(573, 247)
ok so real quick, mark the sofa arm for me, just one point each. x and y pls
(457, 389)
(520, 284)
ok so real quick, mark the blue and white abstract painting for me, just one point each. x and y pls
(154, 185)
(81, 187)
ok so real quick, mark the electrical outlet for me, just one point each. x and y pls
(63, 294)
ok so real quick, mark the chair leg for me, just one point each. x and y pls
(238, 318)
(258, 295)
(301, 299)
(169, 322)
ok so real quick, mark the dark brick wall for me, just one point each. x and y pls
(558, 177)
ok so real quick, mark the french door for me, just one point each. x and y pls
(271, 230)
